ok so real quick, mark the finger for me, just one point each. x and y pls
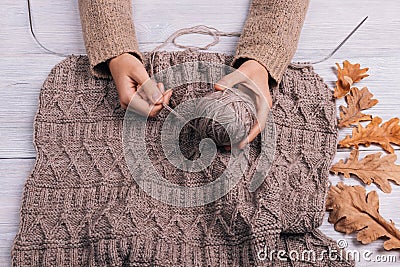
(140, 75)
(139, 105)
(126, 89)
(230, 80)
(263, 95)
(142, 107)
(155, 110)
(167, 96)
(161, 87)
(267, 95)
(158, 107)
(258, 127)
(151, 92)
(252, 134)
(169, 91)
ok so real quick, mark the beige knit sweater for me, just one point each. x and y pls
(270, 34)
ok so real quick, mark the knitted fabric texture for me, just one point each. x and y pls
(82, 207)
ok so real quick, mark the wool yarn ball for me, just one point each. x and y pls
(225, 116)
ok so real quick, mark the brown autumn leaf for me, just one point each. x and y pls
(340, 91)
(350, 74)
(388, 132)
(357, 101)
(371, 169)
(351, 210)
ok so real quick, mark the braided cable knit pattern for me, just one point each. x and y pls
(81, 206)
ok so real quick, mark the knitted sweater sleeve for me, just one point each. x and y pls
(271, 33)
(108, 31)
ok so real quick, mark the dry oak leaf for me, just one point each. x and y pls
(357, 101)
(352, 210)
(371, 169)
(388, 132)
(350, 74)
(339, 90)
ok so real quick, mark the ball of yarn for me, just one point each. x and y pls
(225, 116)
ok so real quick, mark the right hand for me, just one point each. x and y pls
(251, 78)
(135, 88)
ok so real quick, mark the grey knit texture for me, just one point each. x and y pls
(82, 207)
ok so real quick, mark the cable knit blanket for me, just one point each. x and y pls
(81, 205)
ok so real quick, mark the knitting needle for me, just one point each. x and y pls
(342, 43)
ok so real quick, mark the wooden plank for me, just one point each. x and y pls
(25, 66)
(325, 22)
(13, 175)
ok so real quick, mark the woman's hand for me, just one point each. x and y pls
(251, 78)
(135, 88)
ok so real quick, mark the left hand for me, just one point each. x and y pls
(251, 78)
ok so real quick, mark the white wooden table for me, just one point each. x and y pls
(25, 65)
